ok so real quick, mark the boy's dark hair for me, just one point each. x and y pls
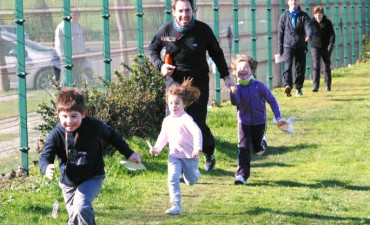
(173, 4)
(188, 93)
(71, 99)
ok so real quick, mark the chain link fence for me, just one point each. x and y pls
(42, 61)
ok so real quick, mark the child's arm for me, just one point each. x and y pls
(271, 100)
(162, 139)
(47, 157)
(235, 97)
(197, 136)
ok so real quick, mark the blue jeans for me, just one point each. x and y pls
(176, 167)
(78, 200)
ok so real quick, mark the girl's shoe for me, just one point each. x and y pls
(239, 180)
(174, 210)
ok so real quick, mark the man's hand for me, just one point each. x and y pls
(135, 157)
(49, 172)
(308, 39)
(230, 85)
(167, 69)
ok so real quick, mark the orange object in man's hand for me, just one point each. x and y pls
(167, 59)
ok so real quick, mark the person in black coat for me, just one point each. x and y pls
(322, 45)
(294, 32)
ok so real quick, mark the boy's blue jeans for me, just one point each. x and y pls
(78, 200)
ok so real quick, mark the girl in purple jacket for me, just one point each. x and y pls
(250, 98)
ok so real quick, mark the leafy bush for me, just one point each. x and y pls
(133, 106)
(365, 54)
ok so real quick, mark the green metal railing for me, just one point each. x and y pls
(22, 93)
(338, 15)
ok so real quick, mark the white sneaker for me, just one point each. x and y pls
(174, 210)
(239, 180)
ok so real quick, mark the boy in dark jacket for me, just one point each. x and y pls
(322, 44)
(75, 141)
(294, 32)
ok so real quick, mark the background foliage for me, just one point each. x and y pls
(133, 105)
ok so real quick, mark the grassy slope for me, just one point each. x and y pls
(317, 175)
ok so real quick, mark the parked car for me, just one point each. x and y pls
(11, 29)
(41, 62)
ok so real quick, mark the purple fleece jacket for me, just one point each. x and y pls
(251, 103)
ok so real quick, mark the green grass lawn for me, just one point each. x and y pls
(319, 174)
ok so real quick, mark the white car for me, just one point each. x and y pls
(42, 63)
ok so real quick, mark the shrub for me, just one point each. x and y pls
(133, 106)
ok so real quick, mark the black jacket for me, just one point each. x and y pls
(188, 51)
(323, 35)
(90, 133)
(293, 38)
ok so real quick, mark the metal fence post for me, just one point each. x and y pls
(167, 11)
(345, 34)
(216, 30)
(353, 41)
(107, 59)
(269, 44)
(254, 36)
(282, 9)
(140, 37)
(359, 30)
(336, 28)
(367, 17)
(327, 7)
(236, 26)
(195, 7)
(22, 95)
(67, 41)
(308, 54)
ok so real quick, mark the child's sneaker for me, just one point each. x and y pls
(264, 146)
(239, 180)
(174, 210)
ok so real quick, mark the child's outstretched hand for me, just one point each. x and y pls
(135, 157)
(196, 153)
(49, 172)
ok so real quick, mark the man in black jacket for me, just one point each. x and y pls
(294, 32)
(187, 41)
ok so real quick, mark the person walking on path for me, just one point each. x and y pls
(294, 32)
(322, 44)
(186, 42)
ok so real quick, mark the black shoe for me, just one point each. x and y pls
(299, 92)
(288, 91)
(209, 162)
(315, 90)
(328, 88)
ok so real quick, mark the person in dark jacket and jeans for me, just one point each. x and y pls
(294, 32)
(322, 45)
(187, 41)
(250, 98)
(75, 141)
